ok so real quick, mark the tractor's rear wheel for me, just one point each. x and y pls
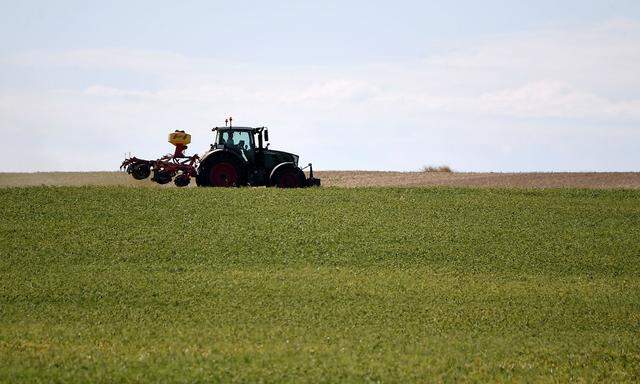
(223, 174)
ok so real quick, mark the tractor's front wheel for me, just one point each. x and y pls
(289, 178)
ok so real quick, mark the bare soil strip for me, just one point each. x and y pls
(364, 179)
(503, 180)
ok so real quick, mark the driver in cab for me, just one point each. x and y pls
(229, 140)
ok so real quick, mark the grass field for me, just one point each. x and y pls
(118, 284)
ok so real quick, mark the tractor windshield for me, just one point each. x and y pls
(241, 140)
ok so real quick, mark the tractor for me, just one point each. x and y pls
(238, 157)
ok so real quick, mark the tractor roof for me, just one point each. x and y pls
(250, 129)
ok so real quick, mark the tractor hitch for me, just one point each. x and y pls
(311, 181)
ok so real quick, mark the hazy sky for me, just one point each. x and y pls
(478, 85)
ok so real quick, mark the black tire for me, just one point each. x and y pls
(201, 180)
(139, 171)
(161, 176)
(221, 171)
(182, 180)
(288, 177)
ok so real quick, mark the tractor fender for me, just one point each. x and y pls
(281, 167)
(220, 152)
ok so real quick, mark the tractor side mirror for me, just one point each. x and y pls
(266, 135)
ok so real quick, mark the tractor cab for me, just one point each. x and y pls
(240, 140)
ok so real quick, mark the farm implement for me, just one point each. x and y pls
(177, 167)
(238, 157)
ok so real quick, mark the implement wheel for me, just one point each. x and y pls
(182, 180)
(161, 176)
(139, 171)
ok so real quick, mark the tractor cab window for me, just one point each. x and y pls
(238, 140)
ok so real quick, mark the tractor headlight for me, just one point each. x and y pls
(295, 159)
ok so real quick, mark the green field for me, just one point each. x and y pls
(117, 284)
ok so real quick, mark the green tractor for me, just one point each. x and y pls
(239, 157)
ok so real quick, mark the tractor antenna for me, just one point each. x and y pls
(230, 120)
(225, 122)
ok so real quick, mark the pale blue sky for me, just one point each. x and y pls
(481, 86)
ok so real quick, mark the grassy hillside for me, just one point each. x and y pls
(123, 284)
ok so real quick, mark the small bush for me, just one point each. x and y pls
(440, 168)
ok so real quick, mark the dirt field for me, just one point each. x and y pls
(364, 179)
(514, 180)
